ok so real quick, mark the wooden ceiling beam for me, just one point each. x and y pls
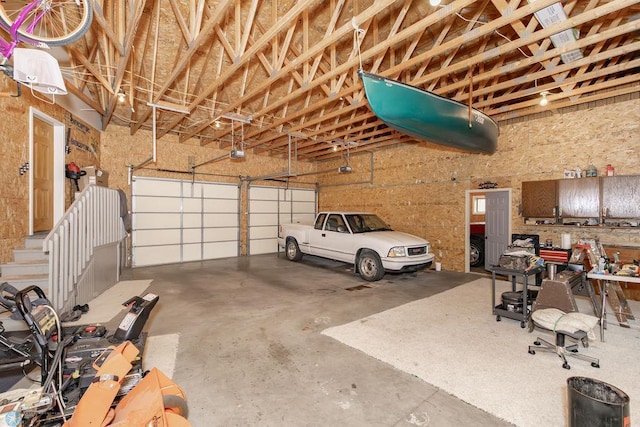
(130, 32)
(186, 34)
(203, 36)
(246, 56)
(317, 47)
(535, 107)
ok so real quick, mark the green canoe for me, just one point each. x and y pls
(429, 117)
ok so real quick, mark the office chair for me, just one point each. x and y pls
(577, 326)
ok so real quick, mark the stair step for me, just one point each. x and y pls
(22, 281)
(29, 254)
(35, 241)
(24, 267)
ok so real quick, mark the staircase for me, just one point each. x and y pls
(30, 265)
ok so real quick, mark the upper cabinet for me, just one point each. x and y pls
(539, 198)
(609, 200)
(579, 198)
(621, 197)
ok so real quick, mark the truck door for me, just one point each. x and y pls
(334, 240)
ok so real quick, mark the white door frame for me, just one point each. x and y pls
(58, 165)
(467, 219)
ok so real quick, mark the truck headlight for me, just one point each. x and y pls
(396, 251)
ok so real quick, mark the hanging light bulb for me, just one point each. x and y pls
(544, 101)
(434, 2)
(121, 96)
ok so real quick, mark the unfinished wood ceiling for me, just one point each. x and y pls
(261, 73)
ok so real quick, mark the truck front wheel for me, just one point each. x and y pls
(370, 266)
(293, 250)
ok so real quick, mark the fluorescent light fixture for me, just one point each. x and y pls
(551, 15)
(169, 106)
(237, 117)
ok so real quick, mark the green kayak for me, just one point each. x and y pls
(429, 117)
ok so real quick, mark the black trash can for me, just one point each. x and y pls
(593, 403)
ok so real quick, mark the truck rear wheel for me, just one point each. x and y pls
(293, 250)
(370, 266)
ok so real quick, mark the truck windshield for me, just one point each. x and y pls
(362, 223)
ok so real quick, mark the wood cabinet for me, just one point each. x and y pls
(601, 200)
(539, 198)
(579, 198)
(621, 197)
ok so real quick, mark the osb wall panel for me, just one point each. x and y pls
(14, 151)
(420, 188)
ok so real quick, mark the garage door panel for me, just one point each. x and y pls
(156, 221)
(221, 220)
(264, 193)
(157, 187)
(220, 191)
(220, 250)
(219, 206)
(258, 206)
(270, 206)
(267, 246)
(260, 219)
(192, 205)
(191, 235)
(157, 204)
(152, 255)
(220, 234)
(264, 232)
(303, 207)
(176, 226)
(152, 237)
(304, 196)
(191, 252)
(191, 220)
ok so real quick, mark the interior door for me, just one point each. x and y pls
(43, 142)
(497, 226)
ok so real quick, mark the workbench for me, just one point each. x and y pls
(609, 287)
(498, 310)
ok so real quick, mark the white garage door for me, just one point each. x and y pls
(271, 206)
(179, 221)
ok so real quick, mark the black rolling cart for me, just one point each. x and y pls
(521, 314)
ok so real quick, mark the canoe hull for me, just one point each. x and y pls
(429, 117)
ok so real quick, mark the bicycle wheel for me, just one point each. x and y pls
(53, 22)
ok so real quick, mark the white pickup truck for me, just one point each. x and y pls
(361, 239)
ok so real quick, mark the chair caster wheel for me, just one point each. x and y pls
(574, 350)
(536, 342)
(522, 325)
(595, 365)
(497, 318)
(565, 365)
(532, 352)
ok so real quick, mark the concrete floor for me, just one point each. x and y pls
(251, 351)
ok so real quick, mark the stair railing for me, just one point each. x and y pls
(90, 225)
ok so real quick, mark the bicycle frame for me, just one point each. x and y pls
(6, 48)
